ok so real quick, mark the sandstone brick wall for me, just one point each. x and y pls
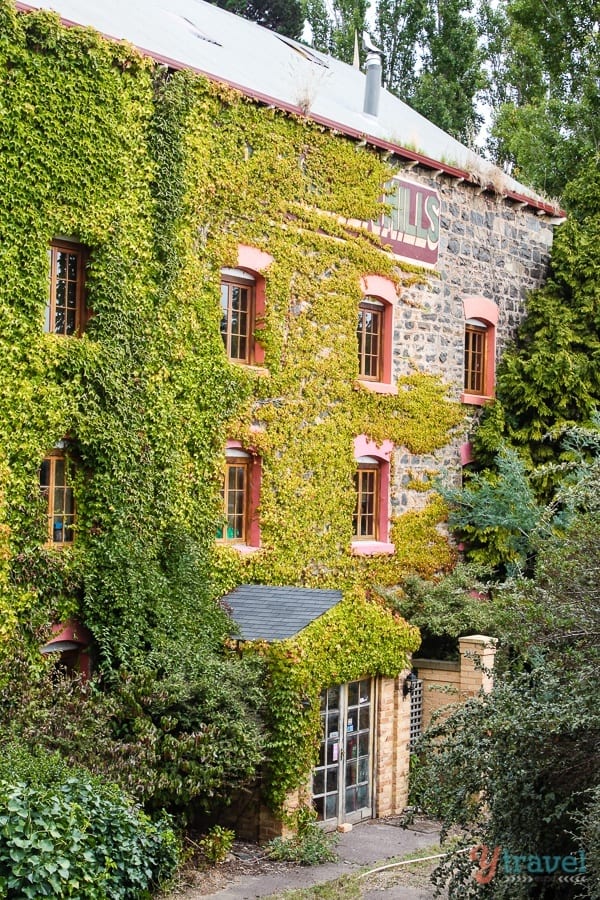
(446, 683)
(392, 754)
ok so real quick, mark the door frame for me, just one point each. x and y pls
(366, 812)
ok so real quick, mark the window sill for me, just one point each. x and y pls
(251, 368)
(376, 387)
(475, 399)
(372, 548)
(244, 549)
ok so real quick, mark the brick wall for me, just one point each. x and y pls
(446, 682)
(392, 755)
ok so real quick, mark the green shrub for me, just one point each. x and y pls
(79, 837)
(167, 738)
(217, 843)
(310, 846)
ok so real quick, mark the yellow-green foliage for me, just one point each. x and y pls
(290, 198)
(359, 636)
(161, 177)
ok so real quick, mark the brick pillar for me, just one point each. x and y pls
(392, 751)
(476, 651)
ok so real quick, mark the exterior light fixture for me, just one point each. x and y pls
(409, 684)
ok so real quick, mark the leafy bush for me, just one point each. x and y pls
(217, 843)
(310, 846)
(167, 737)
(79, 838)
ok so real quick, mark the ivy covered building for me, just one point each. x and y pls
(250, 302)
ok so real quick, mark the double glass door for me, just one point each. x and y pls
(342, 780)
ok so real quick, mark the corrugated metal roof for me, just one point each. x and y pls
(197, 35)
(268, 613)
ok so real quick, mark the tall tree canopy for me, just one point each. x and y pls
(431, 54)
(283, 16)
(547, 77)
(452, 73)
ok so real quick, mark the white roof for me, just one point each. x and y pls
(197, 35)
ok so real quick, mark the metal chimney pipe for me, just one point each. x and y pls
(372, 83)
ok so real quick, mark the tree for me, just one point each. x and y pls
(335, 27)
(547, 120)
(398, 32)
(519, 769)
(284, 16)
(550, 378)
(452, 72)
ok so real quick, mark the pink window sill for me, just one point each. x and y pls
(475, 399)
(244, 549)
(371, 548)
(250, 367)
(377, 387)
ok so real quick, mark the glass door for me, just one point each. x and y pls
(342, 780)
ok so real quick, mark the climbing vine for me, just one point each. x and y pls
(161, 176)
(359, 635)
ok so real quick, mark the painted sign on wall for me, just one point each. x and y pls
(411, 229)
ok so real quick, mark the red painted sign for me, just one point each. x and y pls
(411, 228)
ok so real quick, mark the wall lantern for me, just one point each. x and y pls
(409, 684)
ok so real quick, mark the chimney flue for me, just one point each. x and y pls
(373, 77)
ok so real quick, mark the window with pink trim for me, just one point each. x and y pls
(240, 493)
(243, 298)
(374, 333)
(370, 521)
(481, 318)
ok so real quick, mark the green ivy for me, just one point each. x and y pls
(161, 176)
(360, 635)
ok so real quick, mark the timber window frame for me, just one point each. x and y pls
(479, 355)
(375, 331)
(476, 352)
(56, 484)
(238, 315)
(370, 335)
(66, 312)
(240, 493)
(367, 488)
(371, 482)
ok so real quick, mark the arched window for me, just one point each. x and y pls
(367, 484)
(374, 333)
(65, 310)
(481, 318)
(56, 484)
(240, 493)
(370, 521)
(238, 313)
(243, 293)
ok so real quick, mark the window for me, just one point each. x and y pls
(240, 493)
(237, 314)
(65, 311)
(370, 521)
(370, 339)
(481, 318)
(374, 333)
(235, 497)
(366, 484)
(475, 357)
(56, 474)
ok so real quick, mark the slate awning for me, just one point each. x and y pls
(268, 613)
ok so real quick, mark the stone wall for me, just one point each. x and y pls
(488, 247)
